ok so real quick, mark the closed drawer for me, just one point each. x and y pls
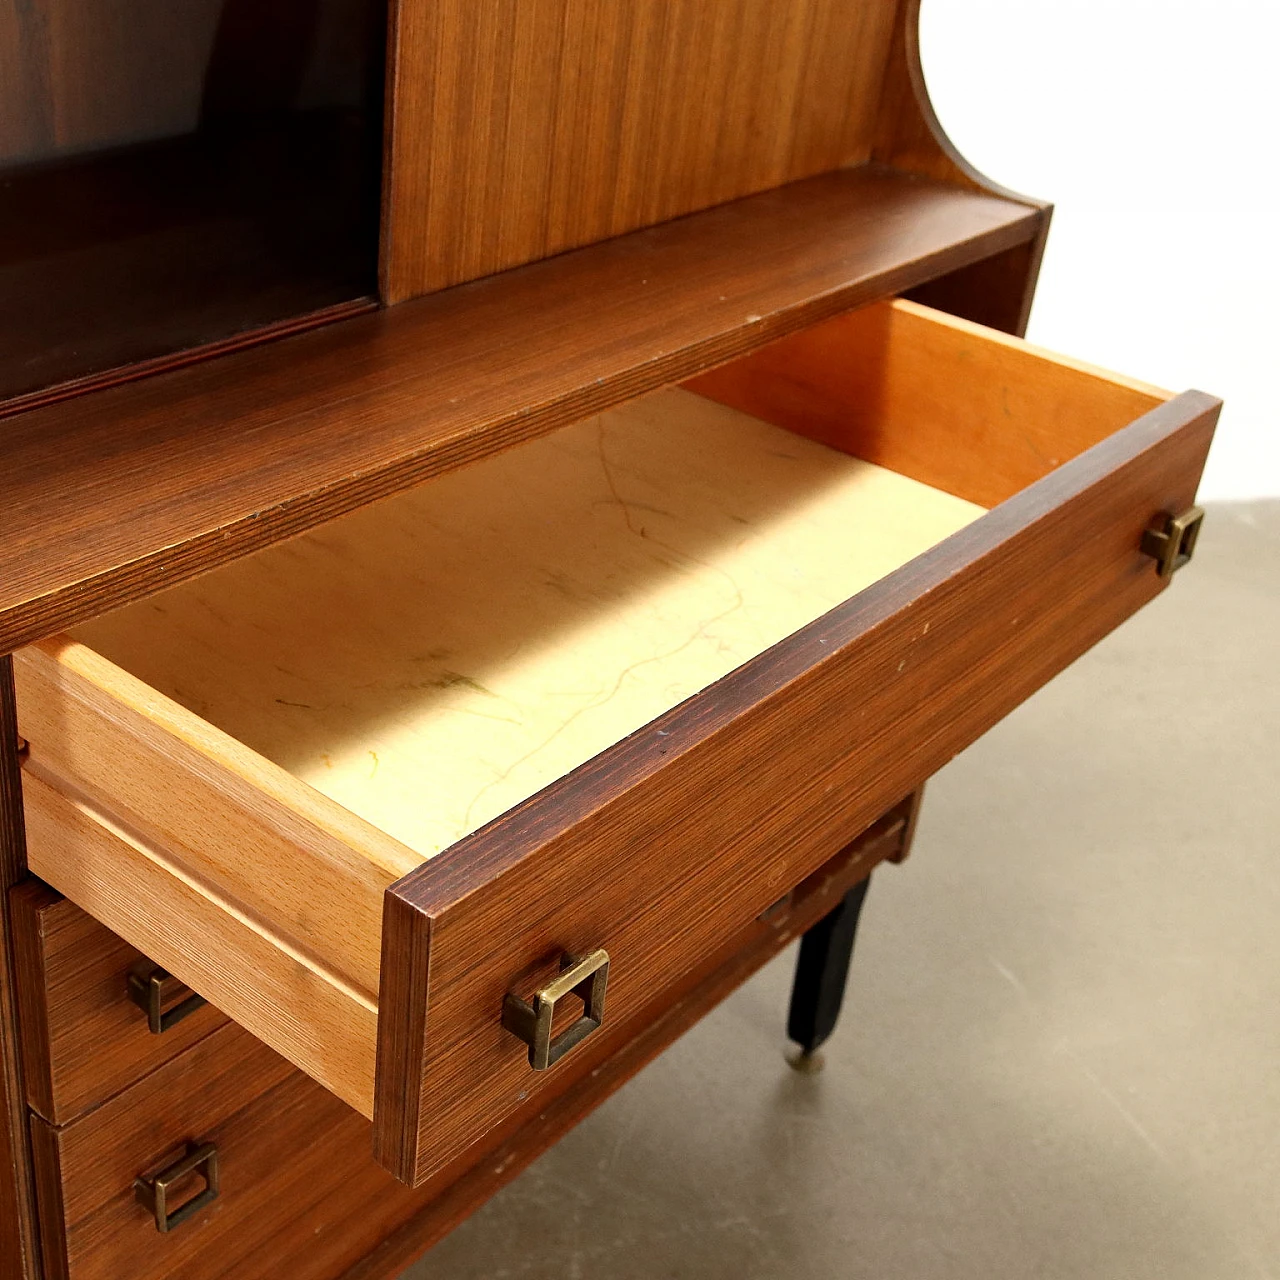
(299, 1193)
(84, 1038)
(618, 689)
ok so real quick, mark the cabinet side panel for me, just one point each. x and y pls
(17, 1204)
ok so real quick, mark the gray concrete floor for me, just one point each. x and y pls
(1060, 1054)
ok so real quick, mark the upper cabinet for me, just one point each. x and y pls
(578, 201)
(180, 177)
(180, 173)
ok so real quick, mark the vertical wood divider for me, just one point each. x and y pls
(19, 1253)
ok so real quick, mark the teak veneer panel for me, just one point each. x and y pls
(301, 1193)
(606, 1062)
(122, 492)
(19, 1245)
(83, 1039)
(523, 128)
(263, 894)
(93, 1226)
(413, 671)
(249, 967)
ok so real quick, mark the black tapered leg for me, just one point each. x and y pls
(821, 972)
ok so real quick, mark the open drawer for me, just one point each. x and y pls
(618, 689)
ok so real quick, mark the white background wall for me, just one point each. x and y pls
(1154, 127)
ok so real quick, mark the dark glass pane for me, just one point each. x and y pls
(177, 172)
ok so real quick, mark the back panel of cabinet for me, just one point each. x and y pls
(522, 128)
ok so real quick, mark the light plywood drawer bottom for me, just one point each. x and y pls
(620, 689)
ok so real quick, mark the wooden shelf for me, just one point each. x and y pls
(124, 491)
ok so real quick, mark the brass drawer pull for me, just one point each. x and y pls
(587, 977)
(151, 989)
(153, 1193)
(1175, 544)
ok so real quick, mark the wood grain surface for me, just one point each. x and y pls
(301, 1193)
(998, 290)
(243, 966)
(936, 398)
(257, 891)
(105, 737)
(87, 1169)
(264, 895)
(19, 1248)
(520, 130)
(83, 1039)
(426, 665)
(432, 661)
(603, 1065)
(665, 844)
(114, 495)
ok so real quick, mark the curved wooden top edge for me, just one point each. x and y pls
(909, 135)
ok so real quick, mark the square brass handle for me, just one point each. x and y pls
(153, 1192)
(1173, 545)
(151, 989)
(588, 978)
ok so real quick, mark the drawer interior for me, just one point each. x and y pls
(279, 740)
(434, 660)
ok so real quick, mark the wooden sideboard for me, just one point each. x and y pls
(506, 506)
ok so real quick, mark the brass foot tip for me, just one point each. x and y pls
(808, 1064)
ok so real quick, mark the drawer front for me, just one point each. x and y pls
(84, 1038)
(669, 842)
(299, 1192)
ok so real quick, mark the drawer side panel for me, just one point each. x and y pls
(273, 845)
(301, 1010)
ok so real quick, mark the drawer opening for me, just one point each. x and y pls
(436, 659)
(259, 753)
